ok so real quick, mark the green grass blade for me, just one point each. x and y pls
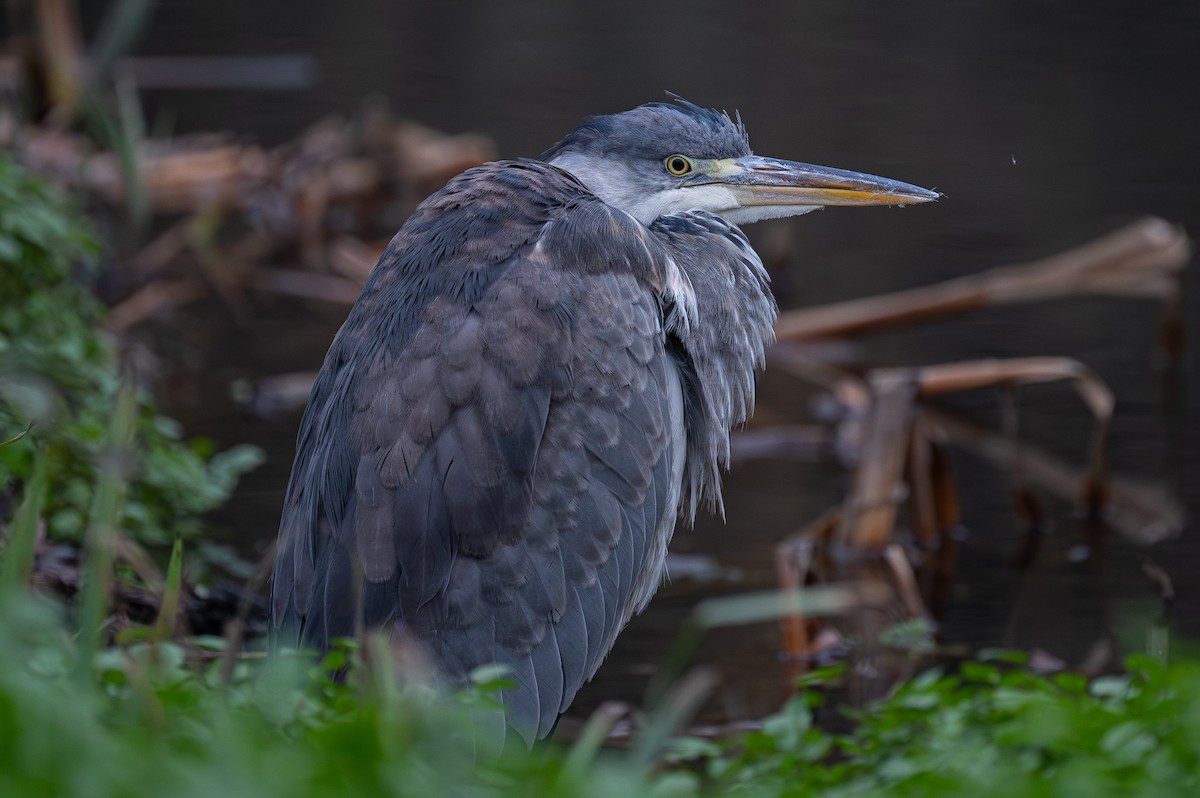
(17, 562)
(105, 516)
(583, 753)
(670, 715)
(168, 606)
(756, 607)
(123, 22)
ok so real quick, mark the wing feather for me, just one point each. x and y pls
(522, 703)
(486, 461)
(547, 660)
(571, 635)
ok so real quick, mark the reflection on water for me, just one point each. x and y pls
(1043, 124)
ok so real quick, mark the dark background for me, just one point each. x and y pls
(1043, 123)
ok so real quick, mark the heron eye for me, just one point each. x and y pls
(678, 165)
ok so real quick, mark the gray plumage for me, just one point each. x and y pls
(540, 375)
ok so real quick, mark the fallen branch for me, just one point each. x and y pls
(792, 442)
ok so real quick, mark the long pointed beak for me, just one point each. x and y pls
(758, 182)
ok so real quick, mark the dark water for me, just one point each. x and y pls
(1043, 123)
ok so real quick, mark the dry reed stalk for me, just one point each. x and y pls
(156, 297)
(869, 512)
(793, 562)
(1142, 513)
(1142, 259)
(61, 46)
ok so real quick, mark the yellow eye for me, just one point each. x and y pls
(678, 165)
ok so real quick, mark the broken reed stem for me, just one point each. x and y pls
(906, 581)
(869, 513)
(793, 562)
(156, 297)
(1144, 514)
(1095, 393)
(970, 374)
(887, 429)
(61, 46)
(806, 442)
(307, 285)
(1139, 260)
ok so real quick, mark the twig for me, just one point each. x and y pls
(235, 630)
(793, 561)
(226, 72)
(154, 298)
(794, 442)
(324, 287)
(18, 436)
(906, 581)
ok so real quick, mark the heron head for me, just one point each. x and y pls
(664, 158)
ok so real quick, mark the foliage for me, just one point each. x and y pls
(988, 730)
(152, 719)
(144, 724)
(58, 373)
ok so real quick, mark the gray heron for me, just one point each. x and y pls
(536, 383)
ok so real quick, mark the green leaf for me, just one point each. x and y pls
(168, 606)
